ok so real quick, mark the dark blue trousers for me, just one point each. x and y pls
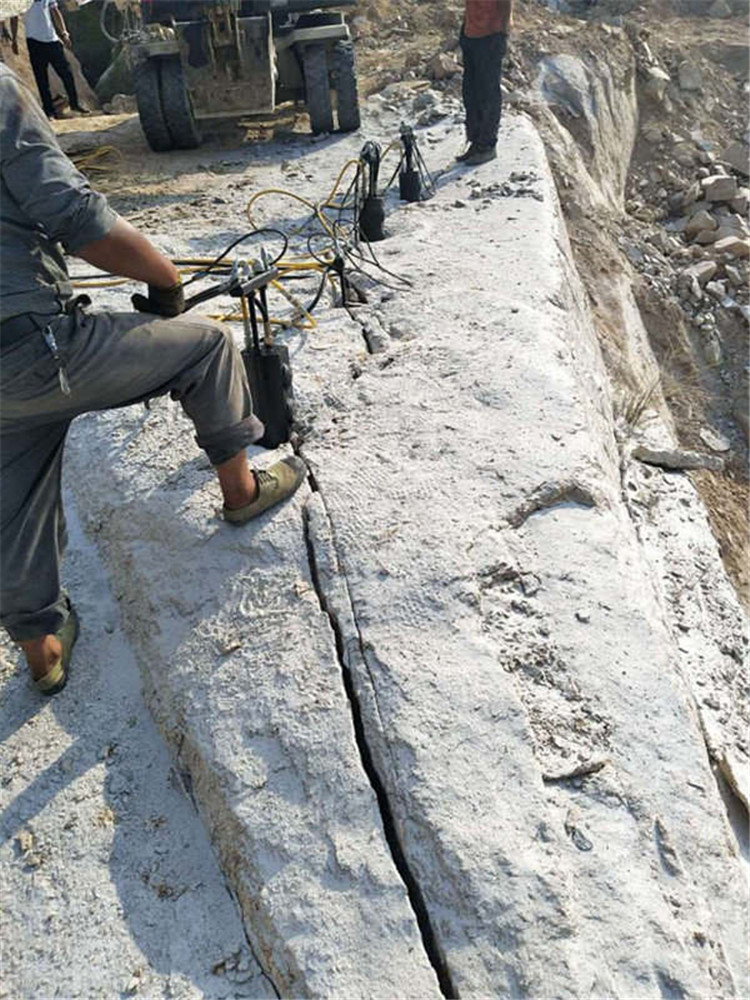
(483, 98)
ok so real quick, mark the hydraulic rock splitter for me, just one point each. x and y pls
(267, 363)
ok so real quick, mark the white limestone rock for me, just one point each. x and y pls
(480, 561)
(243, 677)
(446, 518)
(719, 187)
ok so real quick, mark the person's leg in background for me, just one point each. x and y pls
(471, 97)
(59, 62)
(39, 57)
(489, 70)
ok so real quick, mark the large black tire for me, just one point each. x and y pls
(178, 108)
(318, 89)
(345, 82)
(150, 111)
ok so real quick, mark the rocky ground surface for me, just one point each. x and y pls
(584, 626)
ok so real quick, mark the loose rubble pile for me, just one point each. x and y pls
(687, 200)
(700, 251)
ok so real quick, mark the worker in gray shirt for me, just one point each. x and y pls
(58, 361)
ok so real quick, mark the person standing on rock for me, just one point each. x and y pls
(58, 361)
(46, 39)
(484, 37)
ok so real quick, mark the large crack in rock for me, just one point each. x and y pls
(334, 600)
(243, 679)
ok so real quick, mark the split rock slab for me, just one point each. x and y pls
(500, 620)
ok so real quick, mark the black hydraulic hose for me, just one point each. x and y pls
(343, 207)
(381, 267)
(371, 277)
(207, 294)
(396, 172)
(240, 239)
(319, 293)
(103, 23)
(310, 238)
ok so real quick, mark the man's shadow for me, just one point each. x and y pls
(172, 895)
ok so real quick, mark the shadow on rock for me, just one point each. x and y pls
(94, 823)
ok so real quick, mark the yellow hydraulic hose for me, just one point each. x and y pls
(90, 161)
(328, 203)
(292, 266)
(284, 194)
(301, 311)
(317, 210)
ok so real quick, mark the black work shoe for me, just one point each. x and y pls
(275, 484)
(81, 111)
(480, 156)
(469, 151)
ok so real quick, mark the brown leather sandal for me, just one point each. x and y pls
(57, 676)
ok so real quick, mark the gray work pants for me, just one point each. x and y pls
(110, 360)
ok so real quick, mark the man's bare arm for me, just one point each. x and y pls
(506, 11)
(61, 27)
(127, 252)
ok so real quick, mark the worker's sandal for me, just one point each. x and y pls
(275, 484)
(57, 676)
